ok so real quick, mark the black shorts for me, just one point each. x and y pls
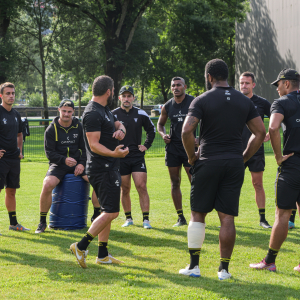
(10, 173)
(107, 186)
(60, 171)
(287, 185)
(173, 160)
(130, 165)
(256, 163)
(216, 184)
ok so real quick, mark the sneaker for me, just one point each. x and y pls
(127, 223)
(297, 268)
(108, 260)
(180, 222)
(41, 228)
(80, 255)
(18, 227)
(262, 265)
(291, 225)
(146, 224)
(195, 272)
(223, 275)
(265, 224)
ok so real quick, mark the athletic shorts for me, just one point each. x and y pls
(287, 185)
(130, 165)
(256, 163)
(216, 184)
(60, 171)
(173, 160)
(10, 173)
(107, 186)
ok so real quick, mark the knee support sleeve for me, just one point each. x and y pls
(196, 235)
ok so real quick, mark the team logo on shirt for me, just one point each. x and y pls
(4, 120)
(75, 135)
(227, 93)
(297, 120)
(135, 119)
(143, 166)
(180, 112)
(117, 183)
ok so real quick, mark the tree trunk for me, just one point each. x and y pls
(164, 93)
(79, 100)
(142, 97)
(4, 23)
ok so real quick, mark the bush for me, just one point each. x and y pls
(35, 100)
(53, 99)
(86, 97)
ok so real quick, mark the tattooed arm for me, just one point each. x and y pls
(188, 139)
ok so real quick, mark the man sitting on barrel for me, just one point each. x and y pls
(65, 149)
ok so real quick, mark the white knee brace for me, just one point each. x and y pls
(196, 235)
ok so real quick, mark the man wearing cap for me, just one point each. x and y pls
(134, 119)
(11, 141)
(256, 163)
(176, 110)
(286, 111)
(65, 149)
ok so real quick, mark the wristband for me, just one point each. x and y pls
(122, 130)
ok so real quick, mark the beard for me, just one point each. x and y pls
(207, 84)
(110, 100)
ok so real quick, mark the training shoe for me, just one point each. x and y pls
(180, 222)
(263, 266)
(195, 272)
(223, 275)
(291, 225)
(146, 224)
(80, 255)
(108, 260)
(127, 223)
(41, 228)
(297, 268)
(265, 224)
(18, 227)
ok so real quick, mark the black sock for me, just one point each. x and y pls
(292, 217)
(86, 240)
(262, 214)
(194, 255)
(146, 215)
(12, 218)
(43, 216)
(102, 249)
(271, 256)
(224, 263)
(180, 214)
(128, 215)
(96, 212)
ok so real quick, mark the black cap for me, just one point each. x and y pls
(66, 103)
(286, 74)
(126, 88)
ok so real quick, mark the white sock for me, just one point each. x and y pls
(196, 235)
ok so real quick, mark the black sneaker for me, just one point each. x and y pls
(41, 228)
(180, 222)
(265, 224)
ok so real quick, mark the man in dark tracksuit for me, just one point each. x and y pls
(134, 119)
(65, 149)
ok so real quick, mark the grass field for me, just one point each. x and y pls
(41, 266)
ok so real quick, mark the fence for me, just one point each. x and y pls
(34, 144)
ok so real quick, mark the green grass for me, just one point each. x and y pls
(41, 266)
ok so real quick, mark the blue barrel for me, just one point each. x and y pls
(70, 203)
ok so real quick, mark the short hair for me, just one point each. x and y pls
(294, 83)
(178, 78)
(102, 84)
(217, 68)
(6, 84)
(249, 74)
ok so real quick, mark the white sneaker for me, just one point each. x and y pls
(223, 275)
(146, 224)
(108, 260)
(127, 223)
(192, 273)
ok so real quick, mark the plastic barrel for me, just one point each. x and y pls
(70, 203)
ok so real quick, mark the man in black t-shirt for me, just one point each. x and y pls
(176, 110)
(65, 149)
(218, 166)
(11, 142)
(286, 111)
(102, 133)
(256, 163)
(134, 119)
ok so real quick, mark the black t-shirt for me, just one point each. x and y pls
(177, 113)
(289, 107)
(10, 126)
(99, 118)
(263, 107)
(134, 121)
(223, 112)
